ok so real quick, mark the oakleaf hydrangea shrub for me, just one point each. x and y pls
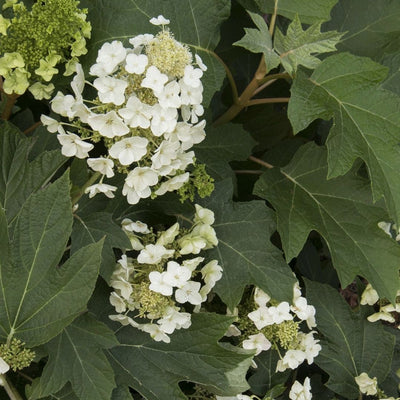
(152, 289)
(146, 114)
(124, 274)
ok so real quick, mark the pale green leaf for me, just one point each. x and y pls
(19, 178)
(309, 11)
(244, 250)
(259, 41)
(195, 23)
(154, 369)
(366, 120)
(372, 26)
(76, 356)
(297, 46)
(341, 210)
(90, 228)
(39, 298)
(350, 344)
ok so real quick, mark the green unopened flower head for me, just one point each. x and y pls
(15, 355)
(52, 32)
(168, 55)
(149, 301)
(199, 182)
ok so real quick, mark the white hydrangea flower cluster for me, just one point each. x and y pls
(386, 312)
(278, 326)
(300, 391)
(366, 384)
(146, 113)
(156, 287)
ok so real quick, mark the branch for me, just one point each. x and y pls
(9, 388)
(32, 127)
(10, 101)
(261, 162)
(273, 19)
(268, 101)
(229, 75)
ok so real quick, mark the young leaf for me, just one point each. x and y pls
(38, 298)
(309, 11)
(244, 250)
(154, 369)
(259, 41)
(298, 46)
(366, 120)
(351, 344)
(341, 210)
(19, 178)
(91, 228)
(76, 356)
(371, 26)
(195, 23)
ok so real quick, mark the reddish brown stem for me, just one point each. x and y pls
(10, 101)
(245, 96)
(268, 101)
(32, 127)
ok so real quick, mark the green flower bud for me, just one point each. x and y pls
(15, 355)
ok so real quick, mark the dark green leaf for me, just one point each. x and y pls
(372, 26)
(225, 143)
(154, 369)
(38, 297)
(245, 251)
(93, 227)
(392, 61)
(19, 178)
(265, 378)
(76, 356)
(391, 386)
(351, 344)
(366, 120)
(309, 11)
(341, 210)
(121, 393)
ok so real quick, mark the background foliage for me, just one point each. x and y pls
(303, 148)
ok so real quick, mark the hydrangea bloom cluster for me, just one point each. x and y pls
(277, 325)
(387, 311)
(300, 391)
(164, 280)
(366, 384)
(146, 113)
(34, 42)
